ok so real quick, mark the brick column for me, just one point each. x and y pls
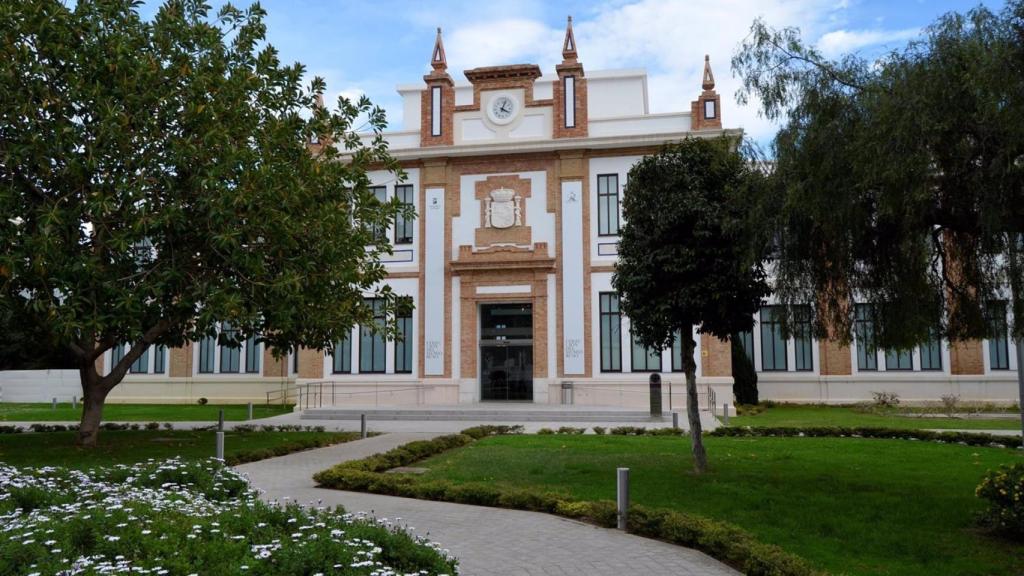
(715, 356)
(965, 357)
(181, 361)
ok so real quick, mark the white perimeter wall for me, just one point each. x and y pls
(39, 385)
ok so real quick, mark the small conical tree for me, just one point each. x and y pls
(684, 256)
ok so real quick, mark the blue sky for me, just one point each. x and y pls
(370, 47)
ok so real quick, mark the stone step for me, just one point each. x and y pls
(478, 415)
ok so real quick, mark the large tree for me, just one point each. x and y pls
(898, 181)
(157, 178)
(685, 258)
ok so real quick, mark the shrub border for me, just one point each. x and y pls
(964, 438)
(721, 540)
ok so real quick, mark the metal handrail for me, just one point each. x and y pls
(312, 395)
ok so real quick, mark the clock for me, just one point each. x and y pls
(503, 109)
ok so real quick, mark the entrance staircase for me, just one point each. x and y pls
(511, 413)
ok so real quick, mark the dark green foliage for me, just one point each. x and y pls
(156, 178)
(684, 254)
(898, 182)
(744, 377)
(967, 438)
(721, 540)
(1004, 490)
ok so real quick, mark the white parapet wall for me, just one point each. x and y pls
(39, 385)
(910, 387)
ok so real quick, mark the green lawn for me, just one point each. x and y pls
(850, 506)
(17, 412)
(130, 446)
(784, 415)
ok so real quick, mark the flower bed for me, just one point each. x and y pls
(173, 517)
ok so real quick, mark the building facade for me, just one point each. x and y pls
(516, 177)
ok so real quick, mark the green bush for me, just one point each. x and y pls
(545, 431)
(600, 430)
(965, 438)
(1003, 489)
(571, 430)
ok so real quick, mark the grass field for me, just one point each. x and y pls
(783, 415)
(17, 412)
(130, 446)
(849, 506)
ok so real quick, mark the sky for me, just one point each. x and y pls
(369, 47)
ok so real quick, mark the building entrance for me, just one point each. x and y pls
(506, 352)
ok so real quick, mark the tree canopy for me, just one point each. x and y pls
(900, 181)
(157, 177)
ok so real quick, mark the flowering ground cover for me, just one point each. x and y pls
(130, 446)
(854, 506)
(179, 517)
(34, 412)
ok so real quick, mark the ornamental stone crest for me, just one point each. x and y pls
(503, 209)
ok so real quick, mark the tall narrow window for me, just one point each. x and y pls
(746, 339)
(141, 364)
(295, 361)
(899, 360)
(998, 343)
(709, 109)
(380, 233)
(608, 205)
(207, 351)
(773, 345)
(160, 359)
(403, 346)
(230, 352)
(803, 341)
(864, 330)
(645, 359)
(252, 355)
(404, 225)
(611, 333)
(435, 111)
(569, 84)
(116, 355)
(342, 357)
(677, 352)
(371, 342)
(931, 352)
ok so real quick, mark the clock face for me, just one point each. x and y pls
(502, 109)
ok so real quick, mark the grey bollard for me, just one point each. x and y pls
(362, 425)
(54, 404)
(74, 402)
(220, 420)
(725, 413)
(622, 498)
(250, 411)
(655, 395)
(220, 444)
(675, 419)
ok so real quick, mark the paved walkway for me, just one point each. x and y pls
(487, 541)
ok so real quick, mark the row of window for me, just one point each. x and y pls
(403, 226)
(230, 356)
(142, 365)
(372, 346)
(775, 348)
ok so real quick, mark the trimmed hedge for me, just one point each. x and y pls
(283, 449)
(721, 540)
(966, 438)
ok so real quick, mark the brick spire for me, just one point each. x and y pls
(569, 45)
(709, 78)
(437, 58)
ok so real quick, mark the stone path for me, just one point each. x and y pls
(487, 541)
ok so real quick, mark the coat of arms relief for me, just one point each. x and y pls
(503, 209)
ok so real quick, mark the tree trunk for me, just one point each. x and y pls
(700, 457)
(94, 394)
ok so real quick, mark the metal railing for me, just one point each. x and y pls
(334, 393)
(286, 395)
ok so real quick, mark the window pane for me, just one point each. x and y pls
(677, 352)
(645, 359)
(371, 344)
(141, 364)
(611, 343)
(160, 360)
(608, 204)
(802, 339)
(230, 354)
(206, 353)
(403, 348)
(252, 355)
(380, 233)
(931, 353)
(116, 355)
(898, 360)
(864, 328)
(773, 346)
(404, 226)
(342, 360)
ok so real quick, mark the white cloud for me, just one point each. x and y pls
(839, 42)
(491, 43)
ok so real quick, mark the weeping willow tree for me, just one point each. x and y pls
(898, 181)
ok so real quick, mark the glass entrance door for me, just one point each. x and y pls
(506, 352)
